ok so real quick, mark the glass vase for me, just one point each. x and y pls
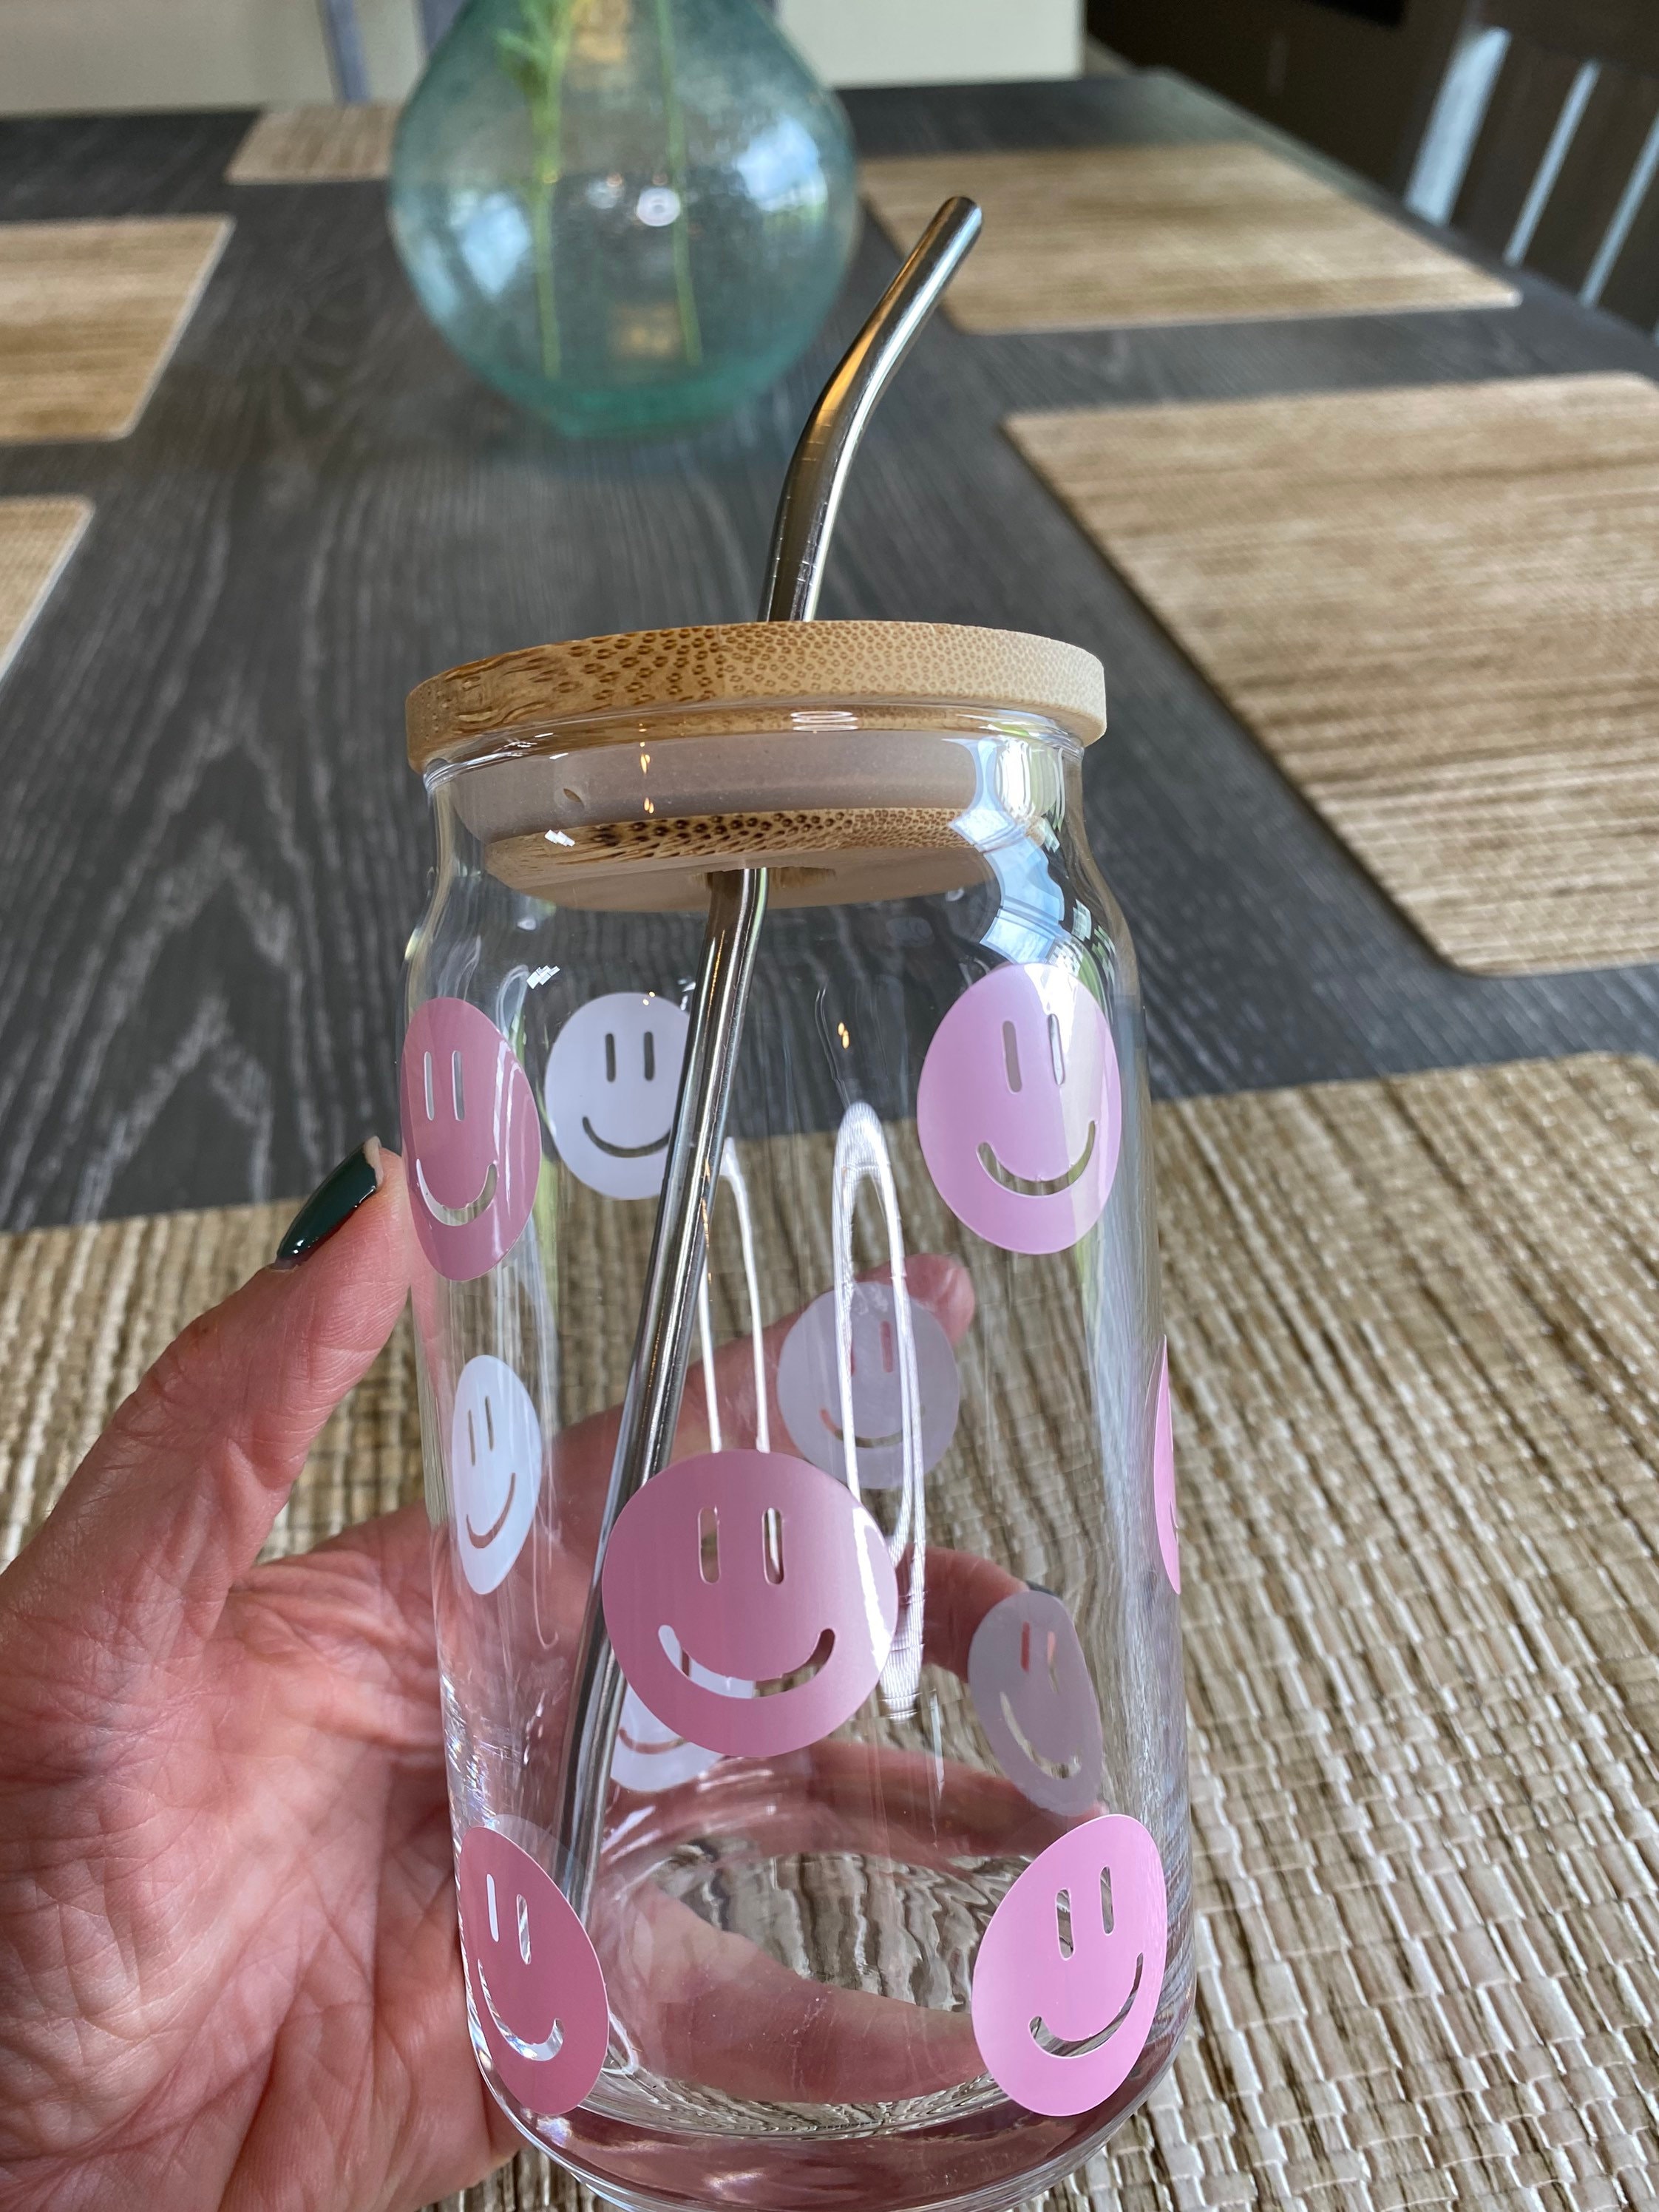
(628, 215)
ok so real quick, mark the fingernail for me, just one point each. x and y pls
(331, 1205)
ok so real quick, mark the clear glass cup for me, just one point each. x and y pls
(893, 1904)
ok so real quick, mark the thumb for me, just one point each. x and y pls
(174, 1500)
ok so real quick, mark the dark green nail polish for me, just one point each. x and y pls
(331, 1205)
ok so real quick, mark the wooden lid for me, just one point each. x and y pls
(818, 856)
(751, 665)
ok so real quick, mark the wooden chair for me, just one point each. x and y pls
(343, 39)
(1543, 144)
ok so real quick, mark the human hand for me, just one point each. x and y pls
(228, 1972)
(228, 1964)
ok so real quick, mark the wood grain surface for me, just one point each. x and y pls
(324, 144)
(1414, 1345)
(89, 312)
(1433, 606)
(37, 537)
(212, 852)
(1078, 239)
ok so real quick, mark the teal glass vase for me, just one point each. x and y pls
(628, 215)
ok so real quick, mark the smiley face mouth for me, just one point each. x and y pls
(743, 1685)
(457, 1216)
(1057, 2047)
(655, 1746)
(863, 1443)
(1039, 1186)
(623, 1152)
(1067, 1768)
(550, 2045)
(648, 1750)
(484, 1542)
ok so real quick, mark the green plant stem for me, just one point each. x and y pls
(674, 126)
(535, 57)
(541, 233)
(550, 131)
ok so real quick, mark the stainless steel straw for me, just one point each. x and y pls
(737, 907)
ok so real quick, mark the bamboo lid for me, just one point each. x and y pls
(747, 665)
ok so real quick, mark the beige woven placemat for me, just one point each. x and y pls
(318, 145)
(1435, 608)
(1085, 237)
(89, 315)
(1415, 1349)
(37, 537)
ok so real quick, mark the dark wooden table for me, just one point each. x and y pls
(211, 850)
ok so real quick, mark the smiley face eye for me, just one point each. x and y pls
(1011, 1056)
(426, 1071)
(1056, 1051)
(708, 1544)
(772, 1544)
(524, 1931)
(610, 1055)
(455, 1085)
(1063, 1913)
(650, 1056)
(489, 1892)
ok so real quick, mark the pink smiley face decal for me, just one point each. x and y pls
(770, 1579)
(1020, 1110)
(1164, 1487)
(1031, 1687)
(472, 1144)
(538, 1990)
(1069, 1970)
(649, 1756)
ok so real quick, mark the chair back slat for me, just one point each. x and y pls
(345, 49)
(1630, 286)
(1517, 136)
(1543, 144)
(1611, 139)
(343, 36)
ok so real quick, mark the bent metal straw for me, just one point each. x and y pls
(737, 908)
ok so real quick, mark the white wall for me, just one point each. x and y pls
(935, 41)
(57, 55)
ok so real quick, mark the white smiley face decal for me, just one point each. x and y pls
(612, 1077)
(494, 1469)
(1031, 1689)
(809, 1387)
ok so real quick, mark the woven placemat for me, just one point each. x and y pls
(318, 145)
(37, 537)
(89, 315)
(1085, 237)
(1434, 607)
(1414, 1333)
